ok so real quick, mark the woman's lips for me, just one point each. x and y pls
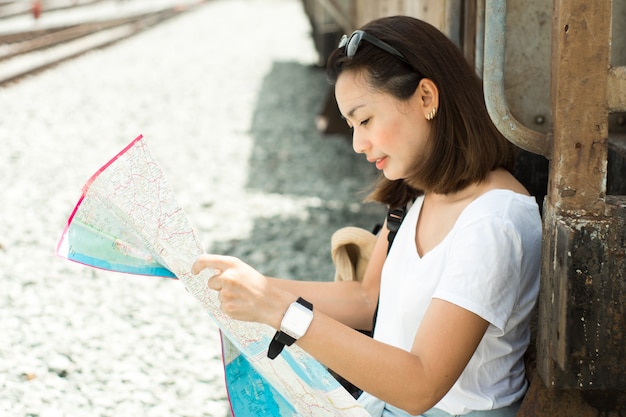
(380, 163)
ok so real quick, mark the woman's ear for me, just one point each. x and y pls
(428, 95)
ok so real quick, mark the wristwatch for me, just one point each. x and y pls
(294, 325)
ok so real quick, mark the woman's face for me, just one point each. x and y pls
(391, 133)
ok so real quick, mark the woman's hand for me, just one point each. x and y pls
(244, 293)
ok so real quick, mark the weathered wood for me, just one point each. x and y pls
(580, 62)
(616, 89)
(542, 402)
(582, 313)
(582, 310)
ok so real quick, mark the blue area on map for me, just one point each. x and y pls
(258, 347)
(250, 393)
(312, 372)
(96, 248)
(102, 264)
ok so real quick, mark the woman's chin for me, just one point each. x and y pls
(392, 176)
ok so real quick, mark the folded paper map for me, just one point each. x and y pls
(127, 220)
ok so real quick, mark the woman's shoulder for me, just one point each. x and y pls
(503, 209)
(501, 214)
(501, 195)
(503, 202)
(501, 179)
(501, 189)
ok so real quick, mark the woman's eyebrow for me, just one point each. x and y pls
(351, 112)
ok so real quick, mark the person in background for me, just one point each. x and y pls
(455, 294)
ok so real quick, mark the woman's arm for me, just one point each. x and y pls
(413, 381)
(352, 303)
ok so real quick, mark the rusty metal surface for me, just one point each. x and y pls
(616, 180)
(618, 37)
(527, 62)
(493, 79)
(542, 401)
(582, 305)
(582, 328)
(616, 89)
(580, 39)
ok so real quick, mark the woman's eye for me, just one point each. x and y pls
(362, 123)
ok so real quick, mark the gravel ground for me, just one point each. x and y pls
(226, 97)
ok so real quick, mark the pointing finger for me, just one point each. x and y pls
(218, 262)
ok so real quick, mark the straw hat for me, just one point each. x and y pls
(351, 249)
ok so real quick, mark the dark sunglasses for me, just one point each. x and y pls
(352, 43)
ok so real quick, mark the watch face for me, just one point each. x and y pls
(296, 320)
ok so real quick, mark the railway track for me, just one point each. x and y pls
(15, 8)
(31, 50)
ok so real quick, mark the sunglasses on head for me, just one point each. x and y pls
(352, 43)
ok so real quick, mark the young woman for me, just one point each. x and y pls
(456, 291)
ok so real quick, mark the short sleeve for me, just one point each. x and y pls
(482, 271)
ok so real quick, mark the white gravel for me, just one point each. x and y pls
(226, 97)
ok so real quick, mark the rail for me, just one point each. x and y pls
(493, 80)
(27, 52)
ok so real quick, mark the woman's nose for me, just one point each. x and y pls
(360, 144)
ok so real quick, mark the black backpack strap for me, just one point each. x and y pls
(394, 220)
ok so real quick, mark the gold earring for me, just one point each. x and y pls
(432, 114)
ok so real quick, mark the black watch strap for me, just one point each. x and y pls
(305, 303)
(282, 339)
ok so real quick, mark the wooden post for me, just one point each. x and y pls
(581, 37)
(581, 355)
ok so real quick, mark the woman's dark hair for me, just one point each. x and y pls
(465, 145)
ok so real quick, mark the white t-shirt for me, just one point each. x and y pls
(489, 264)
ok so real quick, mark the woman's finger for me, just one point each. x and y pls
(218, 262)
(215, 283)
